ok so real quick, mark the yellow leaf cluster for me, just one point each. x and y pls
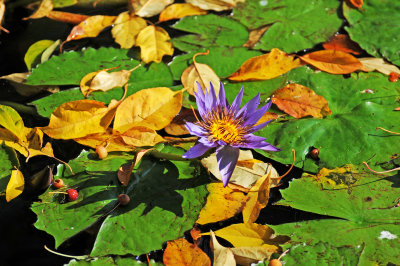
(126, 29)
(136, 120)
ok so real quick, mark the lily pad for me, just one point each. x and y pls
(293, 25)
(165, 199)
(223, 60)
(365, 212)
(378, 18)
(349, 135)
(211, 30)
(155, 75)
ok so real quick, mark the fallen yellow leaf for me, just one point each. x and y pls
(90, 27)
(247, 235)
(199, 73)
(378, 64)
(180, 252)
(257, 199)
(177, 125)
(141, 136)
(245, 174)
(154, 43)
(126, 28)
(80, 118)
(222, 256)
(153, 108)
(222, 203)
(216, 5)
(15, 185)
(112, 142)
(176, 11)
(43, 10)
(265, 66)
(149, 8)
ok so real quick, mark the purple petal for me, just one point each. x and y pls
(249, 108)
(197, 150)
(251, 120)
(195, 129)
(206, 142)
(237, 102)
(211, 98)
(221, 96)
(256, 142)
(201, 107)
(227, 157)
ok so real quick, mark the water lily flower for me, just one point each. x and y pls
(227, 128)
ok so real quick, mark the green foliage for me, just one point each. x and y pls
(211, 30)
(322, 254)
(293, 25)
(70, 68)
(364, 208)
(166, 198)
(380, 19)
(349, 135)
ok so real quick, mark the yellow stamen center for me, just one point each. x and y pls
(226, 131)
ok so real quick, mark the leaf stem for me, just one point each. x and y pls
(67, 256)
(382, 172)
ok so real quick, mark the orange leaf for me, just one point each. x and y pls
(90, 27)
(222, 203)
(80, 118)
(66, 17)
(182, 253)
(342, 42)
(153, 108)
(176, 11)
(265, 66)
(356, 3)
(331, 61)
(300, 101)
(177, 125)
(266, 117)
(43, 10)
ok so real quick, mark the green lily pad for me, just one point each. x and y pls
(349, 134)
(70, 67)
(365, 211)
(223, 60)
(211, 30)
(154, 75)
(293, 25)
(165, 199)
(380, 19)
